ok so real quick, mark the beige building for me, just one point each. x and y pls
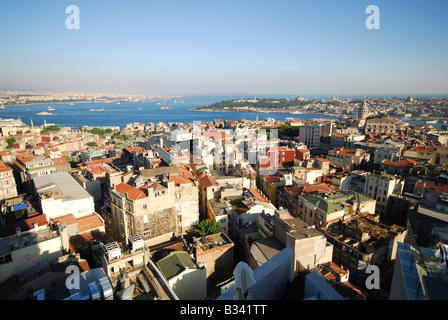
(325, 209)
(310, 247)
(380, 186)
(215, 251)
(347, 158)
(154, 207)
(8, 186)
(380, 125)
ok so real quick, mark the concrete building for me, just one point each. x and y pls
(186, 278)
(310, 247)
(61, 194)
(379, 186)
(310, 134)
(153, 205)
(271, 278)
(326, 209)
(421, 154)
(347, 158)
(29, 166)
(380, 125)
(27, 246)
(215, 252)
(361, 241)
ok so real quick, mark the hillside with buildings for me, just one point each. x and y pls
(309, 215)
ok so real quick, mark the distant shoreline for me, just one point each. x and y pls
(41, 103)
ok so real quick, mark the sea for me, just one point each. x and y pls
(123, 113)
(120, 114)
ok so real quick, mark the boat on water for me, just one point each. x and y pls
(51, 109)
(44, 113)
(166, 108)
(432, 121)
(97, 110)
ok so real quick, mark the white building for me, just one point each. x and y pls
(61, 194)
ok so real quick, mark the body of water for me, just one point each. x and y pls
(123, 113)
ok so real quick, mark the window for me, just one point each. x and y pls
(145, 206)
(146, 233)
(178, 206)
(145, 218)
(178, 195)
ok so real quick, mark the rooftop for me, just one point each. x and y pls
(61, 184)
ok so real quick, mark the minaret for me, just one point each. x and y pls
(32, 125)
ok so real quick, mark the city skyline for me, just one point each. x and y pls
(194, 47)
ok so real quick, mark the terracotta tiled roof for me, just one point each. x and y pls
(4, 167)
(431, 186)
(208, 181)
(24, 225)
(133, 193)
(402, 163)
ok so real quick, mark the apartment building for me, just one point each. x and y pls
(28, 166)
(347, 158)
(380, 125)
(310, 134)
(325, 209)
(379, 186)
(153, 206)
(8, 186)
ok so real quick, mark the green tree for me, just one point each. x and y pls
(92, 144)
(206, 227)
(10, 141)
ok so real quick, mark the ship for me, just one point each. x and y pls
(166, 108)
(97, 110)
(44, 113)
(432, 121)
(51, 109)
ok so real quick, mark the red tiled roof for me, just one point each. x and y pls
(425, 149)
(84, 239)
(402, 163)
(431, 186)
(179, 179)
(208, 181)
(61, 161)
(134, 149)
(133, 193)
(258, 195)
(4, 167)
(24, 225)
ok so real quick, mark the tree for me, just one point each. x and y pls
(92, 144)
(10, 141)
(207, 227)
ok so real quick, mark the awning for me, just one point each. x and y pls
(21, 206)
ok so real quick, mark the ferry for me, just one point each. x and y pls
(97, 110)
(44, 113)
(51, 109)
(166, 108)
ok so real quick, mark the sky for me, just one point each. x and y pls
(225, 46)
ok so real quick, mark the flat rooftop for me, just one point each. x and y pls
(62, 184)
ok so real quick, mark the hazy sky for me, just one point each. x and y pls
(225, 46)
